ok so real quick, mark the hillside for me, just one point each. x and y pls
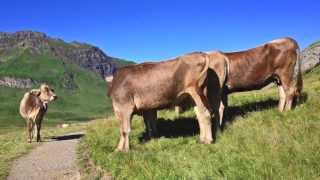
(74, 70)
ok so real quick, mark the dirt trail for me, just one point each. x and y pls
(55, 159)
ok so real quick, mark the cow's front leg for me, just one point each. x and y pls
(124, 115)
(38, 127)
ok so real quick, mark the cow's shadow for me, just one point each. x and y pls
(185, 127)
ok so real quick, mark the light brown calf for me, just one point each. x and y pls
(33, 107)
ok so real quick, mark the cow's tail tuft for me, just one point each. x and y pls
(299, 81)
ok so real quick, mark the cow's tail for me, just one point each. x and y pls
(203, 73)
(109, 80)
(299, 81)
(226, 71)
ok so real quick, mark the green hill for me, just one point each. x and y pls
(85, 99)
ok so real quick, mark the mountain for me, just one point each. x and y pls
(84, 55)
(310, 56)
(74, 70)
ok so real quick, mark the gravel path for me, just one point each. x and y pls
(55, 159)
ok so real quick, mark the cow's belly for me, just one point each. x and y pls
(153, 100)
(144, 103)
(246, 84)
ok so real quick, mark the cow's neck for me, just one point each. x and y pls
(45, 105)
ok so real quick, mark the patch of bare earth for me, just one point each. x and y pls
(54, 159)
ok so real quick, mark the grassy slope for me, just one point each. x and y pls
(260, 143)
(88, 101)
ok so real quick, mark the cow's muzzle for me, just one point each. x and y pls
(54, 98)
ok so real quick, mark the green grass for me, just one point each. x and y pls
(258, 142)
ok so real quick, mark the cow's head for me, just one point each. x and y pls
(46, 94)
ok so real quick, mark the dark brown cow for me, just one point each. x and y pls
(144, 88)
(255, 68)
(33, 107)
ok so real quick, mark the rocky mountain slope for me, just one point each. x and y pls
(310, 56)
(84, 55)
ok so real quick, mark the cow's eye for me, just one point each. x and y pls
(52, 90)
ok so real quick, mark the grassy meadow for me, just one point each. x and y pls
(257, 142)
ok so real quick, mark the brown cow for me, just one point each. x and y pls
(144, 88)
(255, 68)
(33, 107)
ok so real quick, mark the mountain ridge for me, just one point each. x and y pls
(84, 55)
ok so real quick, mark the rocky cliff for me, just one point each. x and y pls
(310, 57)
(16, 82)
(86, 56)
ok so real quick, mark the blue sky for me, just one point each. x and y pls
(144, 30)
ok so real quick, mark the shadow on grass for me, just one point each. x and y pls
(179, 127)
(233, 111)
(67, 137)
(185, 127)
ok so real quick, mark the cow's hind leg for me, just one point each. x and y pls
(288, 89)
(203, 114)
(282, 98)
(150, 117)
(124, 115)
(30, 126)
(223, 106)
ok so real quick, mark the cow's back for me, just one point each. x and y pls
(28, 105)
(154, 85)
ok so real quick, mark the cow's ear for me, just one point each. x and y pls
(35, 92)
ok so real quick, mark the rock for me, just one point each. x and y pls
(16, 82)
(65, 125)
(310, 57)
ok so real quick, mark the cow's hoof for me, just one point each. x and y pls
(121, 150)
(206, 141)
